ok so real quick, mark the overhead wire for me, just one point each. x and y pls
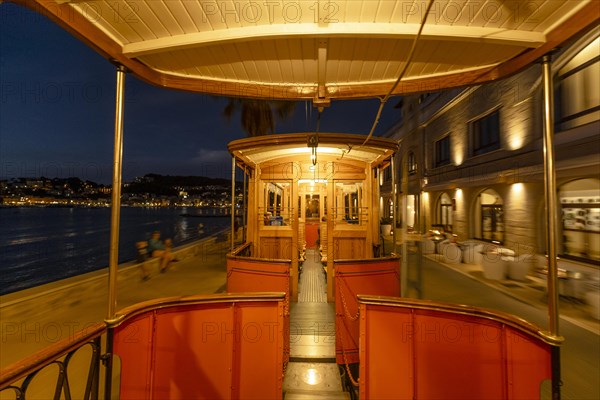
(404, 69)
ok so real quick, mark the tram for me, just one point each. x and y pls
(311, 205)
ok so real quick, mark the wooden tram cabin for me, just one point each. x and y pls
(300, 193)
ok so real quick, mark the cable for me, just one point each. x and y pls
(404, 69)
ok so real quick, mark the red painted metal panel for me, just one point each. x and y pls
(245, 275)
(410, 353)
(377, 331)
(529, 363)
(203, 351)
(311, 235)
(457, 357)
(133, 345)
(374, 277)
(261, 354)
(257, 276)
(193, 353)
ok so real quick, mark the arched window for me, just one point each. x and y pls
(444, 212)
(489, 216)
(580, 203)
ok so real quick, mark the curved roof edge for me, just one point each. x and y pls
(291, 139)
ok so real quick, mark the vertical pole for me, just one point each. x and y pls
(232, 202)
(115, 216)
(394, 199)
(550, 196)
(116, 194)
(244, 195)
(376, 223)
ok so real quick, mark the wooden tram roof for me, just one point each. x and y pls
(332, 146)
(320, 49)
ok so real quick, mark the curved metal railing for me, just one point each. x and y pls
(21, 376)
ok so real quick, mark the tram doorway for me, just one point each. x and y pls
(313, 209)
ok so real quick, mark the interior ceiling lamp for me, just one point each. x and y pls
(313, 143)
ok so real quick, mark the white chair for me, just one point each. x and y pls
(427, 246)
(452, 254)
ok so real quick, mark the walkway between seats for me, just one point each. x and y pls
(312, 372)
(312, 287)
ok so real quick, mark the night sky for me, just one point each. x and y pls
(57, 113)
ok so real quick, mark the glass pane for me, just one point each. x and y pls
(313, 209)
(349, 207)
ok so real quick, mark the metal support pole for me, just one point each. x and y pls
(376, 225)
(550, 197)
(115, 214)
(244, 195)
(394, 198)
(232, 202)
(115, 217)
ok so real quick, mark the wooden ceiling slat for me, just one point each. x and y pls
(367, 61)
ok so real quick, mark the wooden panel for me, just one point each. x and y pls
(277, 248)
(349, 248)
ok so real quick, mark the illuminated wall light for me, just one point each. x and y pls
(517, 187)
(517, 191)
(459, 194)
(517, 139)
(459, 156)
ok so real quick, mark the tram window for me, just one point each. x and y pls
(313, 208)
(276, 205)
(348, 207)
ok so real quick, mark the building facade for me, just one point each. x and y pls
(471, 160)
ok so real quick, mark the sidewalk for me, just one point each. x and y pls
(531, 291)
(35, 318)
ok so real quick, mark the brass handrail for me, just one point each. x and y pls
(497, 316)
(366, 260)
(234, 253)
(156, 304)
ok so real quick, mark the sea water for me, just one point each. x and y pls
(41, 245)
